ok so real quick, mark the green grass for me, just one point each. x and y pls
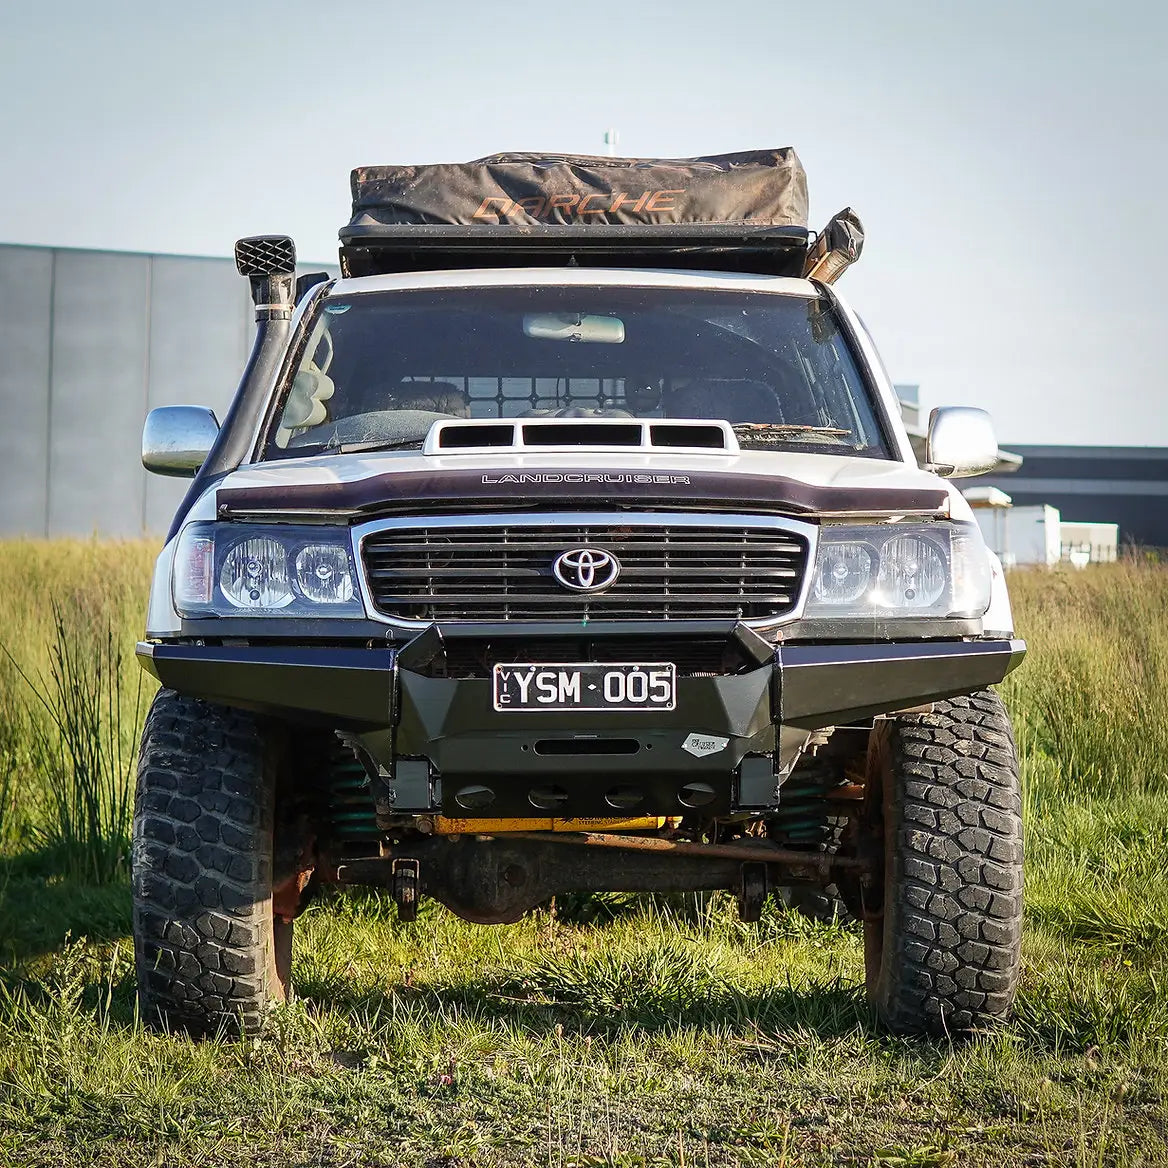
(71, 699)
(672, 1034)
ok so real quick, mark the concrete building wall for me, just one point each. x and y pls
(26, 342)
(101, 330)
(89, 342)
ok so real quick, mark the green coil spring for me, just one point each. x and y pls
(350, 805)
(802, 819)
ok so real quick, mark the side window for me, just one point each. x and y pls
(836, 388)
(306, 405)
(873, 346)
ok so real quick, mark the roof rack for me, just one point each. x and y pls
(383, 249)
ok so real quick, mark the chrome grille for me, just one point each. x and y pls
(504, 572)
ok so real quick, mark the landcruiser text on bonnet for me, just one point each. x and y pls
(572, 541)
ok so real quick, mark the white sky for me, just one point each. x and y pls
(1008, 158)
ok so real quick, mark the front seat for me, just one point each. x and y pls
(730, 399)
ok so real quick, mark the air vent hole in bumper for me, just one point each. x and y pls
(548, 798)
(696, 795)
(625, 798)
(562, 746)
(474, 798)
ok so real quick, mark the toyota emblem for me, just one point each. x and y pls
(586, 569)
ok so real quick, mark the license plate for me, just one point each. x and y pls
(588, 686)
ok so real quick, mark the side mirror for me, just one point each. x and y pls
(177, 439)
(961, 443)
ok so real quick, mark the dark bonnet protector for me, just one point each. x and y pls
(402, 491)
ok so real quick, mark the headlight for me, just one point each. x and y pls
(255, 575)
(323, 573)
(843, 573)
(912, 573)
(236, 570)
(933, 570)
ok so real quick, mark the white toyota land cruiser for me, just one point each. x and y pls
(572, 540)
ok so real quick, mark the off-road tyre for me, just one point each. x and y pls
(210, 956)
(943, 927)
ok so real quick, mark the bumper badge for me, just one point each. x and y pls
(699, 745)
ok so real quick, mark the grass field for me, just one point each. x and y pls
(660, 1033)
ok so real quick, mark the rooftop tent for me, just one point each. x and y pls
(760, 187)
(745, 211)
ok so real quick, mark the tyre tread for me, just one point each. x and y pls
(957, 862)
(202, 867)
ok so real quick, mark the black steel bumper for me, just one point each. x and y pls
(434, 738)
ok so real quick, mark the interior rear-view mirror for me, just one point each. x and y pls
(573, 326)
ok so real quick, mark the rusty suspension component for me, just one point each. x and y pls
(496, 878)
(753, 852)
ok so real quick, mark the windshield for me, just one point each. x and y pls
(377, 369)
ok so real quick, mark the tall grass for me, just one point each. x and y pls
(71, 701)
(1089, 702)
(10, 742)
(79, 749)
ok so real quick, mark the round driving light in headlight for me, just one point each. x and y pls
(322, 572)
(912, 573)
(255, 575)
(843, 572)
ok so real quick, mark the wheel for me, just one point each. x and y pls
(823, 905)
(210, 953)
(943, 921)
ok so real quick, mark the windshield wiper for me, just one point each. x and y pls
(778, 433)
(358, 447)
(380, 444)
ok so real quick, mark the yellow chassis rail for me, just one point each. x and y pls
(442, 825)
